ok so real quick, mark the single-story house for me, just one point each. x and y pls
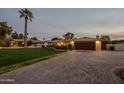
(85, 43)
(38, 43)
(58, 42)
(16, 42)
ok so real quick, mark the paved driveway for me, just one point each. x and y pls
(71, 67)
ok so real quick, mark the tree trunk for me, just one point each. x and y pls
(25, 34)
(66, 42)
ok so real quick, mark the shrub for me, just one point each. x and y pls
(112, 48)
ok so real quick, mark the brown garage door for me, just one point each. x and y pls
(85, 45)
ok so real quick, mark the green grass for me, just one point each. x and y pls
(11, 59)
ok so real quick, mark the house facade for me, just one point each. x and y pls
(16, 42)
(85, 43)
(39, 43)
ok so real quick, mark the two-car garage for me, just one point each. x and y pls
(87, 43)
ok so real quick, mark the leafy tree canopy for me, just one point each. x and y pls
(34, 38)
(56, 38)
(68, 35)
(5, 30)
(105, 38)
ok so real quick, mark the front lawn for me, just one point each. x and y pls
(11, 59)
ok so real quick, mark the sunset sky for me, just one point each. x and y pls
(49, 23)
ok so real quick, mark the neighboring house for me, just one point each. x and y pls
(38, 43)
(33, 43)
(16, 42)
(58, 43)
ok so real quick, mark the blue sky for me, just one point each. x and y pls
(50, 23)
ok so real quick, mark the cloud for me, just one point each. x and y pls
(119, 35)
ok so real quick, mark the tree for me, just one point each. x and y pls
(105, 38)
(27, 15)
(5, 30)
(34, 38)
(9, 31)
(20, 36)
(56, 38)
(2, 30)
(68, 36)
(14, 35)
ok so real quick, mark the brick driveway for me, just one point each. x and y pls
(73, 67)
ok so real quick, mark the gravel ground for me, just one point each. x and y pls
(73, 67)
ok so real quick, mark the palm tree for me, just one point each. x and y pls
(27, 15)
(68, 36)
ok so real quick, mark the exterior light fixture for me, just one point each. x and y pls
(98, 45)
(72, 42)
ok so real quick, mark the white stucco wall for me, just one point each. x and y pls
(116, 46)
(119, 46)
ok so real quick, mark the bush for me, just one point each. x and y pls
(112, 48)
